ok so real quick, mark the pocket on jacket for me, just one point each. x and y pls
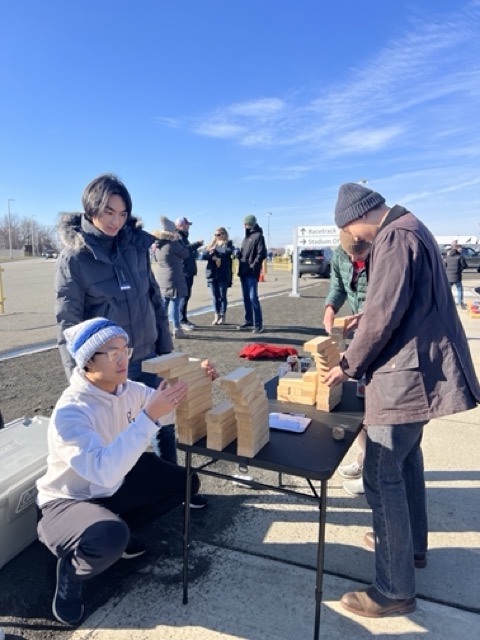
(400, 390)
(405, 360)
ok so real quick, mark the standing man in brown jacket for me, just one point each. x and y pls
(412, 347)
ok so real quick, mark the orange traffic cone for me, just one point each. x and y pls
(262, 276)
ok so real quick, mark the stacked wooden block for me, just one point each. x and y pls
(250, 404)
(337, 332)
(309, 387)
(221, 425)
(326, 356)
(298, 387)
(191, 412)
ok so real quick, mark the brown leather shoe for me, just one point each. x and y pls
(419, 559)
(370, 603)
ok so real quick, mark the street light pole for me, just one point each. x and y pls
(32, 229)
(10, 227)
(268, 214)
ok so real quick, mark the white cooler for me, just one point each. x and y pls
(23, 459)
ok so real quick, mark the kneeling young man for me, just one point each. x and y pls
(100, 483)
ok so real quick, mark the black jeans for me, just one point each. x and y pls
(184, 302)
(96, 532)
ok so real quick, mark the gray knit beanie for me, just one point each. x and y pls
(167, 224)
(353, 202)
(84, 339)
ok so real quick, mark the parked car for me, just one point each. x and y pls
(50, 253)
(471, 255)
(315, 261)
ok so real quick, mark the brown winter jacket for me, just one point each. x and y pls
(410, 341)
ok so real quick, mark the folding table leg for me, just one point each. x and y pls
(320, 557)
(186, 523)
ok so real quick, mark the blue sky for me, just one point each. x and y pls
(213, 109)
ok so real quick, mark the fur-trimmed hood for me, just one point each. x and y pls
(72, 229)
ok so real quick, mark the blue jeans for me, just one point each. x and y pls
(395, 490)
(173, 310)
(253, 310)
(164, 442)
(218, 289)
(459, 287)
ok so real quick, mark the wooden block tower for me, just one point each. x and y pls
(309, 387)
(337, 332)
(245, 390)
(326, 356)
(221, 425)
(190, 416)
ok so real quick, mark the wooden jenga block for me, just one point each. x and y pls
(317, 344)
(248, 394)
(339, 322)
(191, 430)
(259, 404)
(221, 412)
(291, 378)
(310, 376)
(238, 379)
(250, 446)
(308, 400)
(162, 364)
(196, 392)
(187, 410)
(325, 390)
(329, 350)
(192, 372)
(221, 426)
(221, 439)
(327, 404)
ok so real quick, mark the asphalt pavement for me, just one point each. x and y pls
(253, 553)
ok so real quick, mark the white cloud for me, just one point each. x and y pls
(409, 94)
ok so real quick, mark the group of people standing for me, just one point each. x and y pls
(100, 483)
(175, 259)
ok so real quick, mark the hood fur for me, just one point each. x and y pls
(71, 235)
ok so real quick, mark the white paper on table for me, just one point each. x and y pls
(288, 422)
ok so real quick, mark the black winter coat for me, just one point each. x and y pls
(252, 253)
(190, 262)
(111, 277)
(223, 271)
(454, 263)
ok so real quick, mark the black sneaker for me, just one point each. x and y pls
(198, 501)
(67, 605)
(134, 549)
(258, 330)
(245, 325)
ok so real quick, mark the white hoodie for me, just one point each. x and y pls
(94, 439)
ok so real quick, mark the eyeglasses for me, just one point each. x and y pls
(219, 234)
(114, 355)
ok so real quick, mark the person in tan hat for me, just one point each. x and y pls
(348, 282)
(412, 347)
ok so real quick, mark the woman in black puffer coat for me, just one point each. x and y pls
(219, 272)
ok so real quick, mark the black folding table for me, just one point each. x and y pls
(313, 455)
